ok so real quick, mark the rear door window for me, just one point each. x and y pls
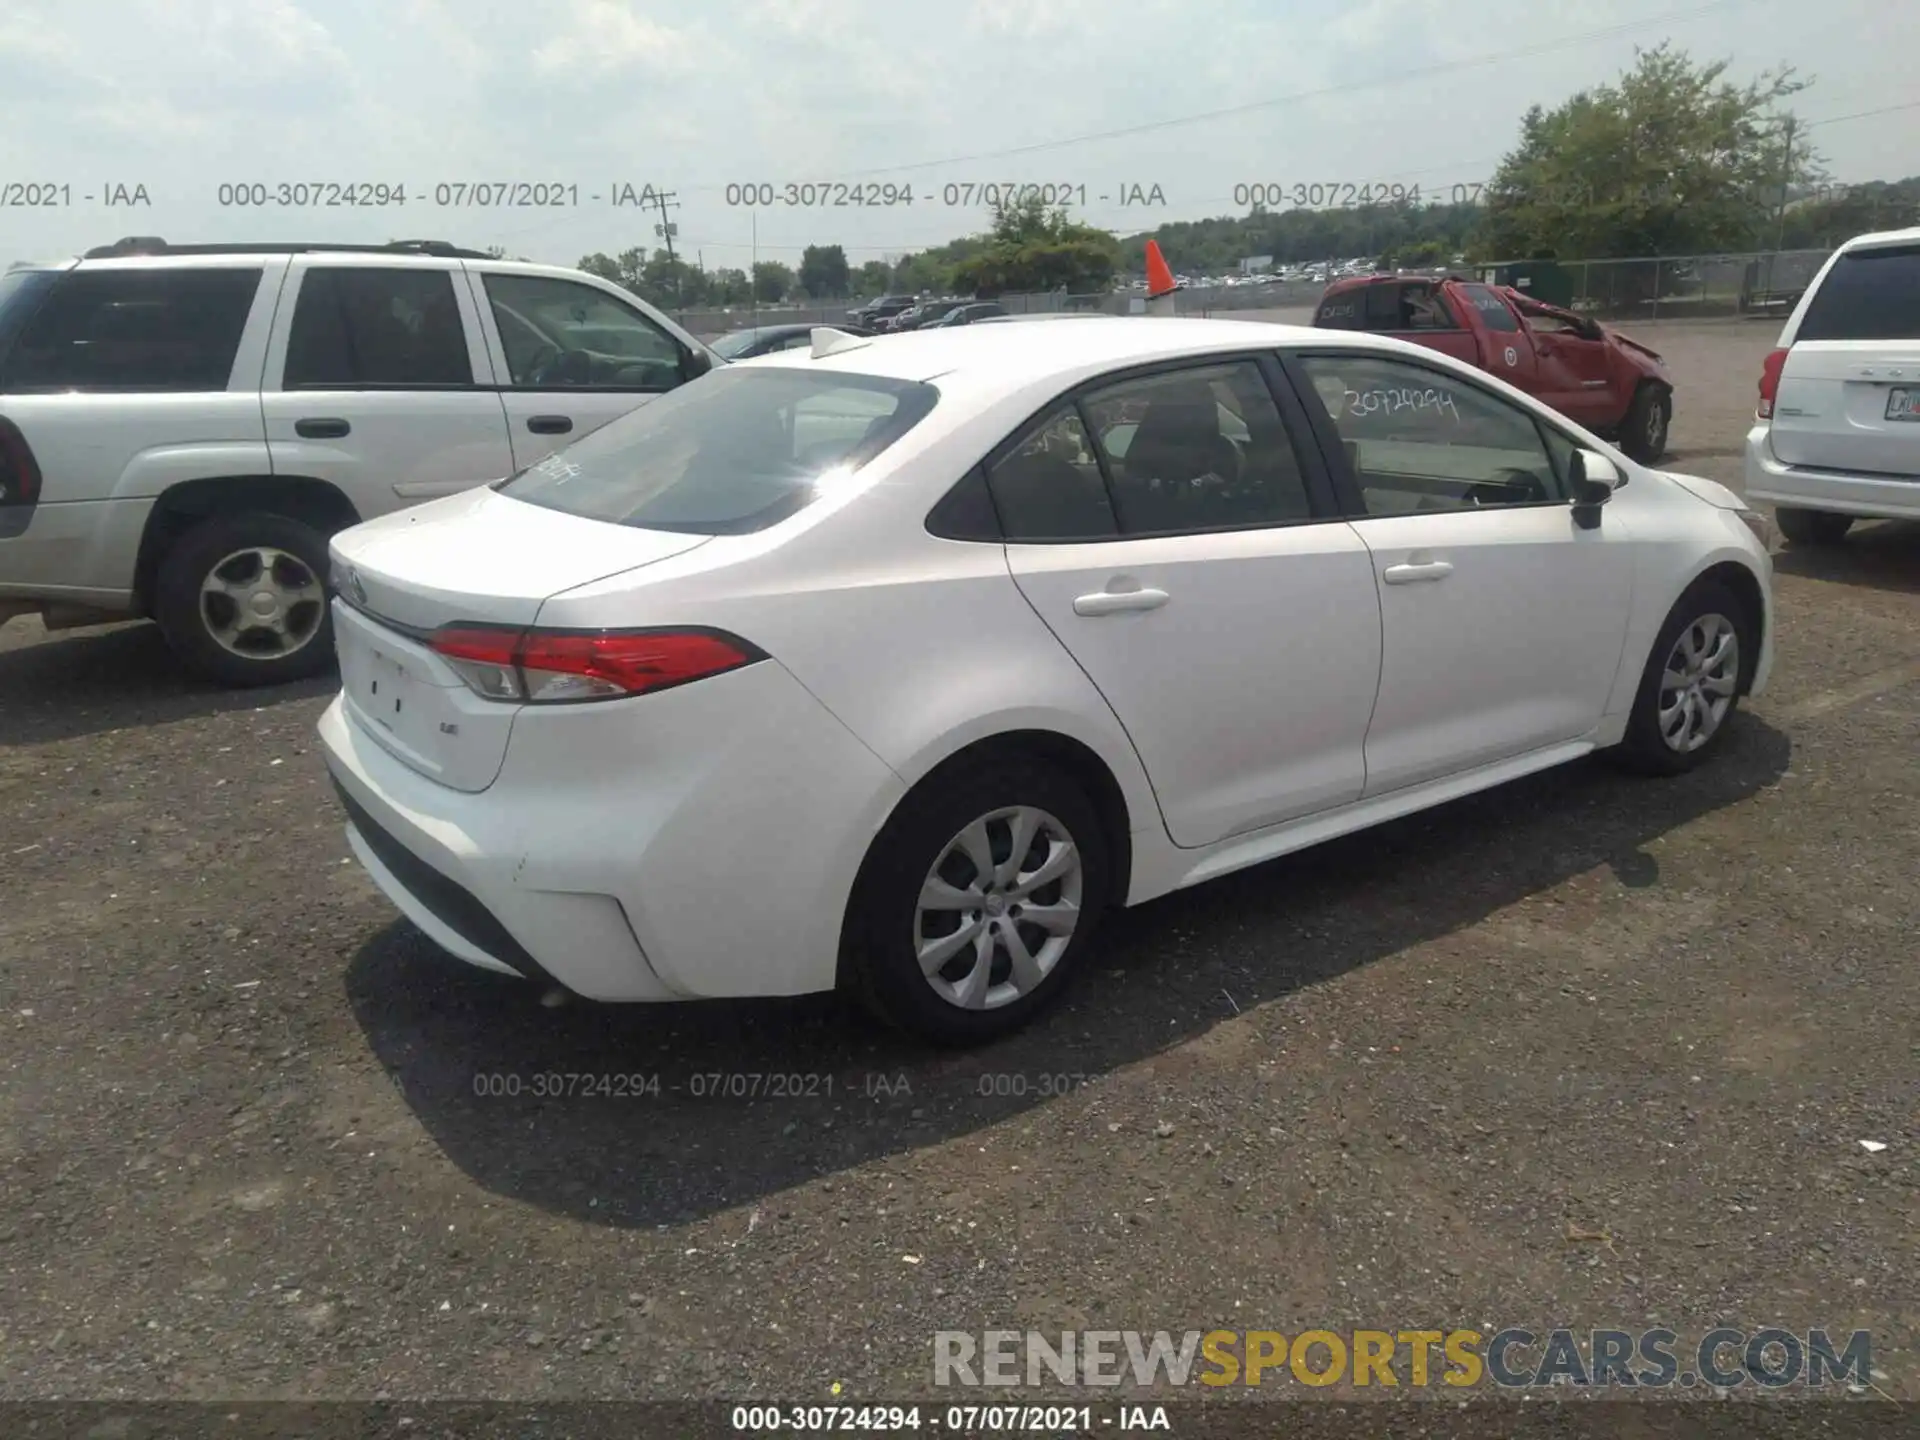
(136, 329)
(1344, 311)
(362, 327)
(1867, 295)
(734, 452)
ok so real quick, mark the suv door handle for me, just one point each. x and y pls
(549, 424)
(1114, 602)
(322, 428)
(1414, 574)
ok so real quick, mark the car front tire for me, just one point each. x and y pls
(1643, 434)
(978, 901)
(242, 600)
(1698, 669)
(1812, 527)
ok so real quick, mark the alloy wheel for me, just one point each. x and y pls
(999, 907)
(262, 603)
(1698, 685)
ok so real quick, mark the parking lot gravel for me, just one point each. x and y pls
(1586, 1050)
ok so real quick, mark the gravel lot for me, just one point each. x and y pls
(1585, 1051)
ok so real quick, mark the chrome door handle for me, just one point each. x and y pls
(1414, 574)
(1113, 602)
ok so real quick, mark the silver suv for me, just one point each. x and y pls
(183, 427)
(1837, 432)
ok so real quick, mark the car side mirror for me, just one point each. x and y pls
(1591, 478)
(696, 364)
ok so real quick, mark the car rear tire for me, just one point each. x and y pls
(1699, 667)
(1812, 527)
(1000, 940)
(242, 600)
(1643, 434)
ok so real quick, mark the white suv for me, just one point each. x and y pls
(183, 427)
(1837, 436)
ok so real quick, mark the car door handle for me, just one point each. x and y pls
(549, 424)
(322, 428)
(1113, 602)
(1414, 574)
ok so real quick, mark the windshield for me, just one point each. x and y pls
(732, 453)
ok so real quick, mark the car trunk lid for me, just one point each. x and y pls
(1850, 405)
(477, 558)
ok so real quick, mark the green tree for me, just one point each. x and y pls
(771, 281)
(1031, 247)
(873, 278)
(623, 270)
(729, 287)
(1673, 159)
(1825, 216)
(823, 271)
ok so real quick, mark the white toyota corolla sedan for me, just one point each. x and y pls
(894, 663)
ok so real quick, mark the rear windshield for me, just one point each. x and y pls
(732, 347)
(733, 452)
(1868, 295)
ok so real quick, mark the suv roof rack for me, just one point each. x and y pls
(153, 245)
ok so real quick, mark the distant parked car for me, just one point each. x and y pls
(968, 314)
(926, 313)
(877, 314)
(765, 339)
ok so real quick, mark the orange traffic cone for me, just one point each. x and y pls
(1160, 286)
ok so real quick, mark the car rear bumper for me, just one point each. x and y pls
(693, 844)
(1802, 487)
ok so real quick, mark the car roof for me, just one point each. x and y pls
(986, 358)
(1879, 239)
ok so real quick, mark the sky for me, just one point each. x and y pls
(202, 105)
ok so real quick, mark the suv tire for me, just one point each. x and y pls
(242, 600)
(1812, 527)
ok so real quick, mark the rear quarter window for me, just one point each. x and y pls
(735, 451)
(1867, 295)
(163, 329)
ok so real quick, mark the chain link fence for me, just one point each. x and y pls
(1652, 288)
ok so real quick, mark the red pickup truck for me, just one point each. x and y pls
(1615, 387)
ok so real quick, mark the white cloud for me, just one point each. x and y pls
(604, 37)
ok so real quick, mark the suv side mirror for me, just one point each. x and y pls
(696, 364)
(1591, 478)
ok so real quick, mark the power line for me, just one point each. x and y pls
(1447, 67)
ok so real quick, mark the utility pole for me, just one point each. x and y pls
(665, 230)
(1786, 179)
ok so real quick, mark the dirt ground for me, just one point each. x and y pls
(1584, 1051)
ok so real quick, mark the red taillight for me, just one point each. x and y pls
(1770, 369)
(551, 666)
(19, 471)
